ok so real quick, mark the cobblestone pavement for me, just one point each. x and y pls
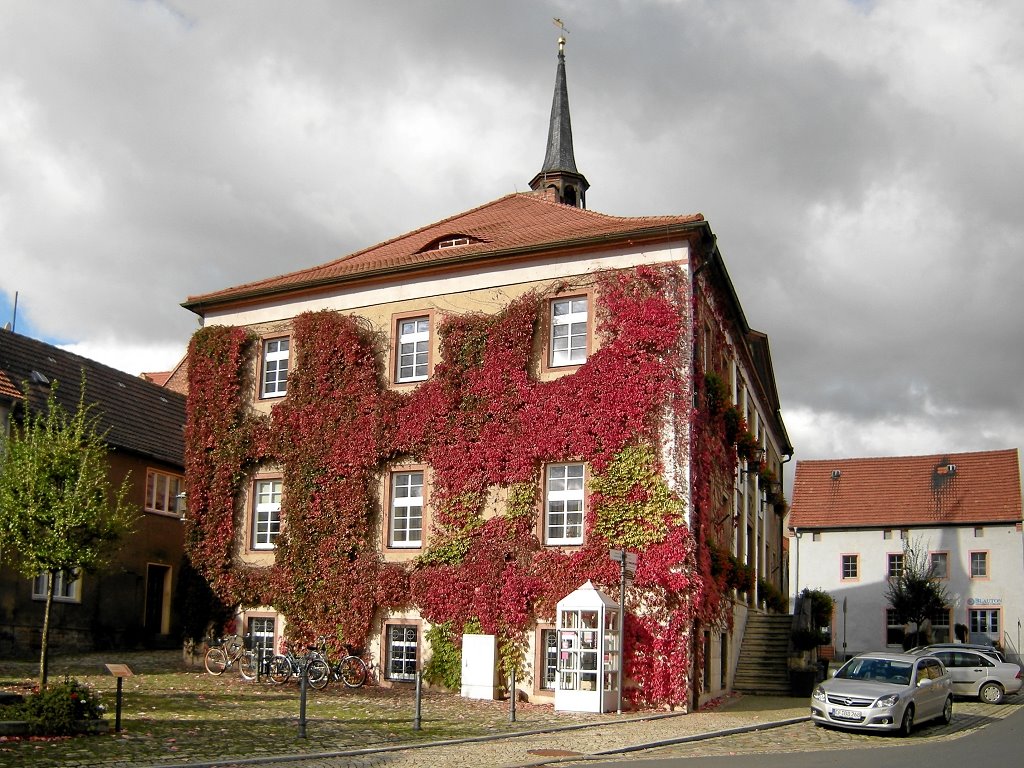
(178, 716)
(745, 725)
(968, 716)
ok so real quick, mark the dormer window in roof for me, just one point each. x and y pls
(38, 378)
(453, 240)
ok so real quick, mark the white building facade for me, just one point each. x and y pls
(853, 520)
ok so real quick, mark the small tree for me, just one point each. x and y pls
(57, 512)
(915, 592)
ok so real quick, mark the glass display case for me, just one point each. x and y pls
(588, 652)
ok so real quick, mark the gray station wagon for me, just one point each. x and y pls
(976, 673)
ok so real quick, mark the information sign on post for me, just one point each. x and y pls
(120, 671)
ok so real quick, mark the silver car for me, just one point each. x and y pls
(884, 692)
(988, 650)
(976, 673)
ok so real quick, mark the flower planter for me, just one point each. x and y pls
(801, 681)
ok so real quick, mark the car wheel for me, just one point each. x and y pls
(907, 725)
(947, 710)
(991, 693)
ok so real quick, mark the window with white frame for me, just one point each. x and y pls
(405, 523)
(850, 566)
(164, 492)
(940, 626)
(569, 331)
(563, 523)
(275, 368)
(266, 517)
(66, 587)
(413, 349)
(262, 632)
(400, 652)
(894, 628)
(548, 673)
(894, 566)
(939, 564)
(979, 565)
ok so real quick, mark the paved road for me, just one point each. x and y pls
(998, 743)
(749, 725)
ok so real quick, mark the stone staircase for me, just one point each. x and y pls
(763, 667)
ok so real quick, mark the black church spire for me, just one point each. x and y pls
(559, 176)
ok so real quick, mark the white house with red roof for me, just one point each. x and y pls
(851, 519)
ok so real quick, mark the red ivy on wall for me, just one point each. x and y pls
(480, 422)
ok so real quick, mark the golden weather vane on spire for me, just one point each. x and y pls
(561, 38)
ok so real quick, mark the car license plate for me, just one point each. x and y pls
(846, 714)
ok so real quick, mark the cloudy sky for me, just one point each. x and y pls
(860, 162)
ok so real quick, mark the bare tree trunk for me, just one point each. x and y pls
(44, 657)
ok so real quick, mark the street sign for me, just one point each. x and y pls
(622, 556)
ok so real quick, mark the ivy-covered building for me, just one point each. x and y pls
(448, 431)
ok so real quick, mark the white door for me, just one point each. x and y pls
(984, 626)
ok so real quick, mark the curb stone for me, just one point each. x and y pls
(294, 758)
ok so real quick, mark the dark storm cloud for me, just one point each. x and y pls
(859, 162)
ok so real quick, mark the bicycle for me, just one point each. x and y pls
(282, 667)
(349, 669)
(227, 651)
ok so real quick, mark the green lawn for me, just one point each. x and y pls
(175, 713)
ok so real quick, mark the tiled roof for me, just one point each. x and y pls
(138, 415)
(940, 489)
(157, 377)
(516, 223)
(8, 391)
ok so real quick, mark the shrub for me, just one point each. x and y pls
(821, 607)
(805, 639)
(55, 710)
(772, 596)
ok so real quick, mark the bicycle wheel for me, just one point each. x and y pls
(280, 670)
(247, 665)
(215, 661)
(318, 673)
(352, 671)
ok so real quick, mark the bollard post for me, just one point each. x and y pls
(419, 695)
(302, 699)
(512, 698)
(117, 710)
